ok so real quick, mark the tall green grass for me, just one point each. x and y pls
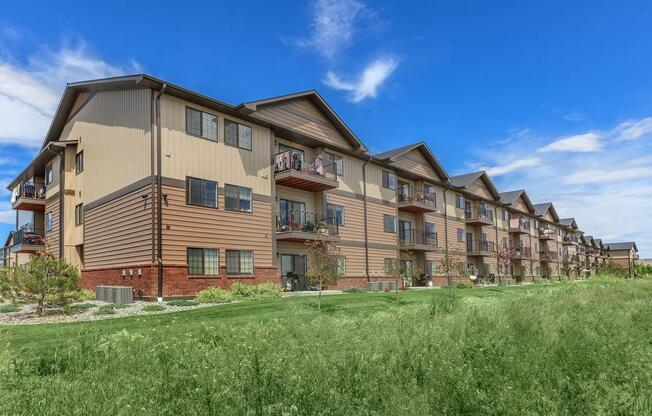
(565, 349)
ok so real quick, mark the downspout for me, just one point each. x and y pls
(159, 196)
(62, 195)
(497, 252)
(446, 255)
(366, 239)
(152, 174)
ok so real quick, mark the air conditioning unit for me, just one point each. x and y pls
(114, 294)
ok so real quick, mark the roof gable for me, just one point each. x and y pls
(415, 158)
(477, 183)
(519, 200)
(622, 246)
(569, 223)
(546, 211)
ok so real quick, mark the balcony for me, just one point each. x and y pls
(30, 197)
(519, 226)
(570, 240)
(290, 169)
(416, 202)
(546, 234)
(418, 240)
(479, 216)
(571, 258)
(520, 252)
(480, 248)
(548, 256)
(28, 240)
(302, 226)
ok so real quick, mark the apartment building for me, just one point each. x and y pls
(623, 255)
(143, 183)
(549, 240)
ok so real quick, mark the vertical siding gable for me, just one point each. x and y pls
(479, 188)
(414, 161)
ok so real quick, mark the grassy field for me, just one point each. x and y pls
(562, 349)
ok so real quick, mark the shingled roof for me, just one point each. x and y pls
(462, 181)
(511, 197)
(622, 246)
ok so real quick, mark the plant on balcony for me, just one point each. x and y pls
(323, 264)
(44, 277)
(322, 228)
(309, 227)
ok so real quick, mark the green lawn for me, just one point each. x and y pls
(572, 348)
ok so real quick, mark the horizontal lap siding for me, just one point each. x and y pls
(376, 225)
(377, 260)
(191, 226)
(414, 161)
(302, 116)
(119, 232)
(355, 260)
(353, 228)
(52, 237)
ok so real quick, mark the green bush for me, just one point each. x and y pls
(12, 307)
(105, 310)
(82, 306)
(267, 290)
(214, 295)
(82, 295)
(242, 291)
(153, 308)
(353, 290)
(464, 285)
(183, 302)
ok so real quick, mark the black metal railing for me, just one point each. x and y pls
(546, 232)
(295, 161)
(520, 250)
(307, 222)
(29, 236)
(479, 213)
(412, 237)
(571, 238)
(480, 245)
(407, 194)
(31, 190)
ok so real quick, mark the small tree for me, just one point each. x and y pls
(504, 260)
(323, 264)
(44, 277)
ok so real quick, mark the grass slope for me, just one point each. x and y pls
(557, 349)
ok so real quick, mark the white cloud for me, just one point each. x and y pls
(585, 142)
(7, 216)
(527, 162)
(368, 83)
(608, 175)
(633, 129)
(30, 92)
(334, 26)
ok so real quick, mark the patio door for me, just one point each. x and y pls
(405, 231)
(292, 213)
(295, 266)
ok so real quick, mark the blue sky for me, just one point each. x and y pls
(553, 97)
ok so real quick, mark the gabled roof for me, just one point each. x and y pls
(312, 95)
(463, 181)
(511, 197)
(622, 246)
(587, 239)
(568, 222)
(393, 154)
(541, 210)
(598, 242)
(9, 237)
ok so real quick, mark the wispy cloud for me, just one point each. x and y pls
(368, 83)
(334, 24)
(596, 177)
(585, 142)
(527, 162)
(633, 129)
(30, 91)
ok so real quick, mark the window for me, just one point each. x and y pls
(239, 262)
(79, 214)
(48, 174)
(237, 198)
(203, 261)
(536, 247)
(486, 269)
(48, 221)
(79, 162)
(431, 267)
(505, 215)
(459, 201)
(461, 235)
(201, 192)
(335, 214)
(389, 180)
(389, 223)
(237, 135)
(201, 124)
(341, 265)
(334, 164)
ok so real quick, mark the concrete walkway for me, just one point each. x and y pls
(312, 293)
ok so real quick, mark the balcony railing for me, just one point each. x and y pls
(29, 196)
(296, 221)
(28, 239)
(31, 190)
(571, 239)
(414, 237)
(480, 246)
(479, 215)
(546, 233)
(571, 258)
(416, 201)
(519, 225)
(520, 251)
(548, 255)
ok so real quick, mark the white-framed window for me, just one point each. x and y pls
(461, 235)
(459, 201)
(79, 214)
(49, 176)
(79, 162)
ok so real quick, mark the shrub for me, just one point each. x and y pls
(464, 285)
(153, 308)
(105, 310)
(214, 295)
(82, 306)
(242, 291)
(268, 290)
(183, 302)
(12, 307)
(82, 295)
(353, 290)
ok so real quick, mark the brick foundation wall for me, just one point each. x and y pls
(176, 282)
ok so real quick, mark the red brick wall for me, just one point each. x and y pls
(176, 282)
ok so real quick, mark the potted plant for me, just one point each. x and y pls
(308, 227)
(322, 228)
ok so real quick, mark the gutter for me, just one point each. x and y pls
(159, 196)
